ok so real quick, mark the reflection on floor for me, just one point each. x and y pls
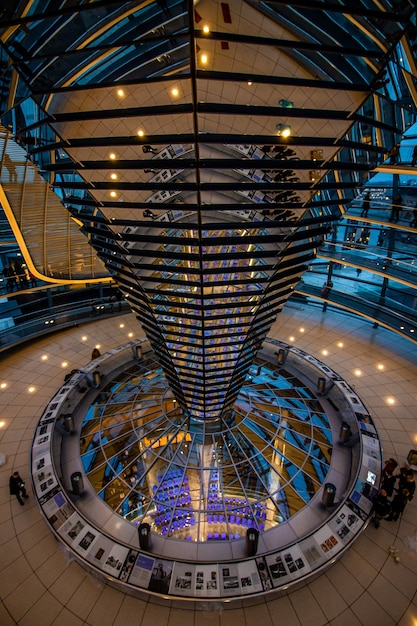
(40, 585)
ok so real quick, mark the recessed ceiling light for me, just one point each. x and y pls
(291, 339)
(340, 344)
(325, 352)
(302, 330)
(44, 357)
(113, 176)
(84, 338)
(64, 364)
(204, 58)
(175, 91)
(113, 194)
(98, 346)
(140, 133)
(206, 29)
(121, 325)
(250, 83)
(380, 366)
(130, 335)
(390, 400)
(358, 372)
(31, 389)
(2, 424)
(120, 93)
(112, 156)
(3, 385)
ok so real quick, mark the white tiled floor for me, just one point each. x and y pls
(39, 585)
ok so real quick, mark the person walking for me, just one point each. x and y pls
(414, 157)
(406, 481)
(17, 487)
(95, 354)
(366, 204)
(11, 167)
(395, 208)
(398, 504)
(413, 222)
(393, 155)
(382, 507)
(388, 482)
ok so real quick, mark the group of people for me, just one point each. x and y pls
(18, 277)
(397, 489)
(396, 208)
(394, 155)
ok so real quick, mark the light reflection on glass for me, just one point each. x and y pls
(255, 468)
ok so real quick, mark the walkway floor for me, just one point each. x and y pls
(40, 585)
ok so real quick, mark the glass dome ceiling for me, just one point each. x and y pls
(149, 463)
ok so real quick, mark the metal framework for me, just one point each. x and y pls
(201, 156)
